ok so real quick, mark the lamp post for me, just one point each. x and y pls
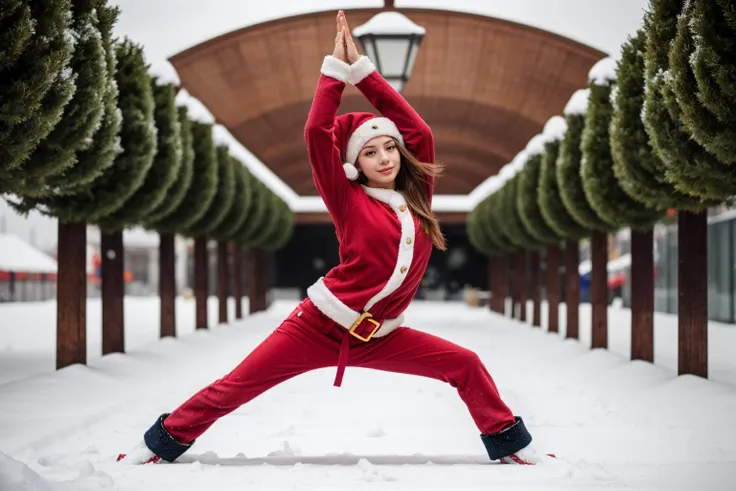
(391, 40)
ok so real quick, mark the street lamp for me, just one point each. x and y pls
(391, 41)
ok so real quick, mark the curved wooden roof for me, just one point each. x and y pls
(484, 85)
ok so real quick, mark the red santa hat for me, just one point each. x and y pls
(354, 130)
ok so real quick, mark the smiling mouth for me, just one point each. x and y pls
(386, 171)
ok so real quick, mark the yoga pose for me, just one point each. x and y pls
(376, 175)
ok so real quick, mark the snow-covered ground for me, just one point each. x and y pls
(614, 424)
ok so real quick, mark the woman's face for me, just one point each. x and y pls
(380, 161)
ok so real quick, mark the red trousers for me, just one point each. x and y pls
(308, 340)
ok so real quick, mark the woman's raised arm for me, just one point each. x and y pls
(319, 131)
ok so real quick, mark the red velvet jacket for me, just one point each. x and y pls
(383, 251)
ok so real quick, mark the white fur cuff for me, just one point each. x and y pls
(335, 68)
(360, 70)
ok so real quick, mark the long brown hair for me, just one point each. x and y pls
(412, 180)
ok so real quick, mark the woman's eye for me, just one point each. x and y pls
(391, 147)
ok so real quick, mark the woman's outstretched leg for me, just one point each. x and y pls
(294, 348)
(417, 353)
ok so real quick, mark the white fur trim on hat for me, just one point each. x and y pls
(335, 68)
(350, 171)
(360, 70)
(372, 128)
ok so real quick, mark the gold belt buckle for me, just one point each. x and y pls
(369, 317)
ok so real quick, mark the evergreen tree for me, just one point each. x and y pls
(714, 133)
(158, 219)
(57, 152)
(35, 81)
(260, 235)
(283, 230)
(477, 240)
(223, 198)
(685, 160)
(104, 146)
(569, 165)
(166, 163)
(238, 212)
(714, 29)
(550, 202)
(200, 194)
(639, 170)
(527, 198)
(258, 211)
(510, 219)
(493, 226)
(601, 187)
(112, 189)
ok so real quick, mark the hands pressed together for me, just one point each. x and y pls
(345, 48)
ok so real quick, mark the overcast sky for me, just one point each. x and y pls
(166, 27)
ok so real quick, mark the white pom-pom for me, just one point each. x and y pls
(350, 171)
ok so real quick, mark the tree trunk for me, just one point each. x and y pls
(599, 288)
(498, 298)
(238, 278)
(692, 293)
(521, 276)
(553, 288)
(257, 267)
(536, 290)
(113, 292)
(71, 295)
(201, 267)
(642, 296)
(572, 288)
(167, 284)
(222, 281)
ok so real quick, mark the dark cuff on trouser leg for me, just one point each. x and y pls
(507, 441)
(160, 441)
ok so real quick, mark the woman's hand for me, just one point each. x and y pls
(340, 49)
(351, 51)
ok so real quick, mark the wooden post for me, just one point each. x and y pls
(642, 296)
(167, 284)
(201, 267)
(508, 285)
(599, 288)
(257, 269)
(71, 295)
(572, 288)
(113, 292)
(692, 293)
(222, 281)
(536, 289)
(521, 279)
(553, 288)
(238, 278)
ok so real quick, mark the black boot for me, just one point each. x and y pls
(160, 441)
(507, 441)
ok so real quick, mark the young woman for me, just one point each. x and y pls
(376, 176)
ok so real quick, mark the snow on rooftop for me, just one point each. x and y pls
(197, 110)
(390, 22)
(604, 71)
(578, 103)
(555, 128)
(164, 72)
(20, 256)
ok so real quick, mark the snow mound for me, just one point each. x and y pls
(165, 73)
(197, 110)
(17, 476)
(604, 71)
(578, 103)
(555, 128)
